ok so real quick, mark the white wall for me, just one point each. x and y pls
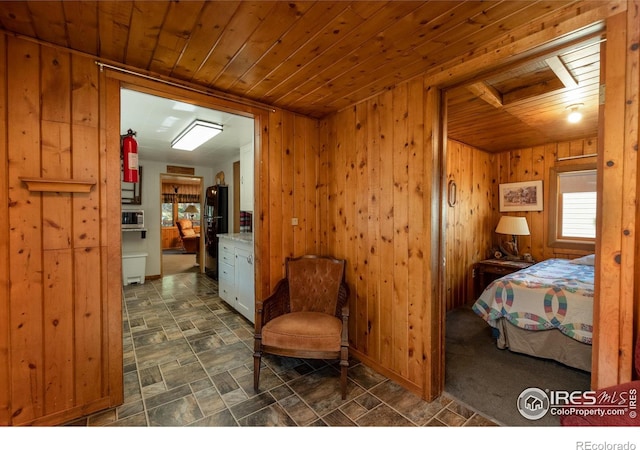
(152, 244)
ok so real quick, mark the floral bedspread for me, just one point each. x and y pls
(554, 293)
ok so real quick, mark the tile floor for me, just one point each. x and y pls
(188, 362)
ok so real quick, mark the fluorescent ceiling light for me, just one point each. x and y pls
(196, 134)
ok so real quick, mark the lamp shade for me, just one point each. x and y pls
(191, 209)
(516, 226)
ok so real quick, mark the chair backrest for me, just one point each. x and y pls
(314, 283)
(184, 224)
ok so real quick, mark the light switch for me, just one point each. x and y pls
(294, 221)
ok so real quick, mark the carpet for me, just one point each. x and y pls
(490, 380)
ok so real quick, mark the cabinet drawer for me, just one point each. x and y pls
(227, 257)
(226, 273)
(226, 291)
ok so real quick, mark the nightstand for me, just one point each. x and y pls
(491, 269)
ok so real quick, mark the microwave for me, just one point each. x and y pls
(133, 219)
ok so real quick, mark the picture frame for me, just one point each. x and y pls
(522, 196)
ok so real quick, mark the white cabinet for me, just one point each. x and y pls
(245, 283)
(236, 275)
(226, 270)
(246, 177)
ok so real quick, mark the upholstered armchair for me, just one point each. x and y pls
(190, 239)
(306, 316)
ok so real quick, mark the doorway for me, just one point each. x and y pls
(180, 199)
(525, 134)
(158, 117)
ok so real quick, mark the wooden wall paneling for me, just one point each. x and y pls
(550, 155)
(537, 223)
(58, 299)
(59, 364)
(311, 182)
(287, 183)
(5, 390)
(451, 229)
(86, 232)
(371, 128)
(56, 164)
(489, 186)
(386, 243)
(262, 189)
(524, 170)
(401, 225)
(25, 232)
(416, 233)
(327, 131)
(276, 263)
(360, 212)
(298, 174)
(111, 269)
(469, 224)
(464, 223)
(88, 325)
(344, 217)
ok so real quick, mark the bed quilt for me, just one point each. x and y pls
(554, 293)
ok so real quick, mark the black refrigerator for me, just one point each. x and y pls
(215, 221)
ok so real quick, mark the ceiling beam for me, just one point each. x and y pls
(535, 90)
(561, 71)
(487, 93)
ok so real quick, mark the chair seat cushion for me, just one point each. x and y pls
(304, 330)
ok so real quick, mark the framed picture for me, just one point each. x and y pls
(524, 196)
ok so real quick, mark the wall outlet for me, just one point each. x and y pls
(294, 221)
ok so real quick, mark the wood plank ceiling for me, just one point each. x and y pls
(316, 57)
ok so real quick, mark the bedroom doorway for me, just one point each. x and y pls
(528, 100)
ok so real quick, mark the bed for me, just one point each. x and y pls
(545, 310)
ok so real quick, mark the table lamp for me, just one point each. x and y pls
(191, 210)
(515, 226)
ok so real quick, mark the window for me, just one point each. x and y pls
(573, 198)
(172, 212)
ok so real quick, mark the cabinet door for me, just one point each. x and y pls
(246, 177)
(245, 283)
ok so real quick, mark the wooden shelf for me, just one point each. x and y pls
(48, 185)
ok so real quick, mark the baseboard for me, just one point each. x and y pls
(408, 385)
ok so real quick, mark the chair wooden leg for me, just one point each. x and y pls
(344, 365)
(257, 356)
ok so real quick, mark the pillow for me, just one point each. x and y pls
(188, 232)
(588, 260)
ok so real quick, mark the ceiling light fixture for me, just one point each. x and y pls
(574, 114)
(196, 134)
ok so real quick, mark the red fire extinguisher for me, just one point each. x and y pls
(130, 157)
